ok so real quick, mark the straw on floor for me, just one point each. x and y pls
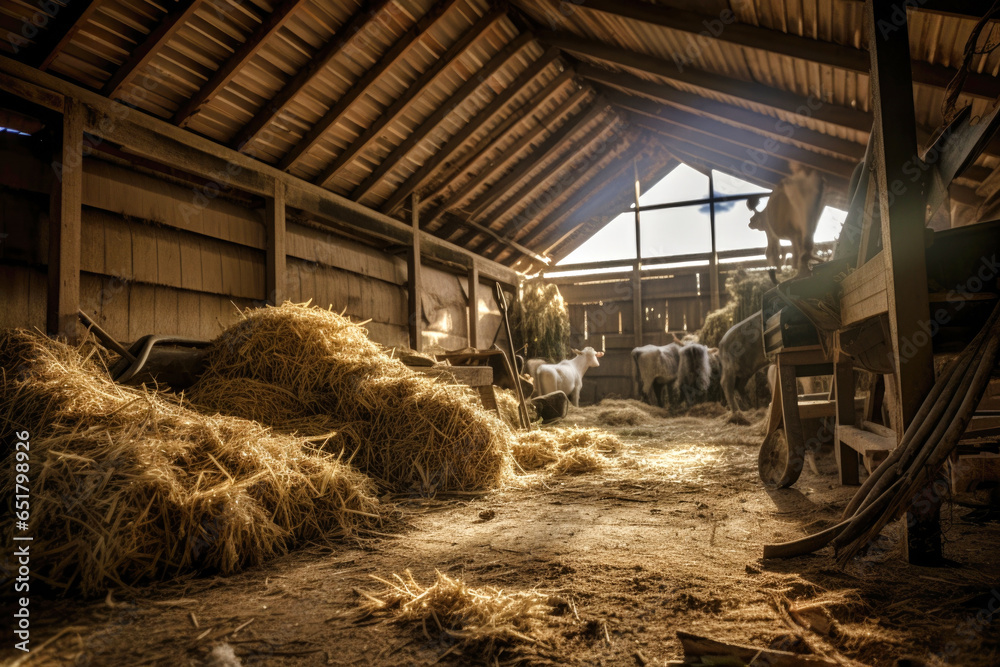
(565, 450)
(480, 619)
(309, 370)
(129, 485)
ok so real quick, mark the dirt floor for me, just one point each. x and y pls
(668, 538)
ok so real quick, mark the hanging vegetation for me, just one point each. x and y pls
(541, 320)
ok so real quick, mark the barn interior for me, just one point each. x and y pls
(285, 286)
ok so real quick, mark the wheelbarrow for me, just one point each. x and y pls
(174, 361)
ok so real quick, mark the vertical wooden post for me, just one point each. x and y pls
(713, 264)
(638, 316)
(473, 304)
(276, 254)
(413, 271)
(843, 385)
(65, 222)
(902, 208)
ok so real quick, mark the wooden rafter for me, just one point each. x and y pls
(459, 139)
(605, 174)
(303, 77)
(549, 148)
(231, 67)
(579, 147)
(775, 41)
(699, 130)
(774, 98)
(767, 176)
(591, 179)
(399, 50)
(507, 243)
(503, 130)
(174, 20)
(443, 110)
(413, 92)
(62, 27)
(726, 113)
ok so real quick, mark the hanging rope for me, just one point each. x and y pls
(950, 106)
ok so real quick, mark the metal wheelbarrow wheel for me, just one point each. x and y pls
(779, 465)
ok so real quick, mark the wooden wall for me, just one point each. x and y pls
(159, 257)
(600, 312)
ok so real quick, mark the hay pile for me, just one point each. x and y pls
(541, 320)
(746, 294)
(568, 451)
(480, 619)
(623, 416)
(509, 408)
(128, 485)
(302, 369)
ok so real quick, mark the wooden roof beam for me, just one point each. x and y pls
(174, 20)
(579, 148)
(774, 98)
(273, 108)
(400, 48)
(232, 65)
(775, 41)
(505, 55)
(507, 243)
(755, 144)
(427, 170)
(63, 25)
(509, 155)
(727, 113)
(550, 147)
(413, 91)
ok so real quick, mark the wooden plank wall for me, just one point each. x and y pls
(159, 258)
(600, 313)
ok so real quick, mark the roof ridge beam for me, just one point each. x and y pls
(228, 70)
(413, 91)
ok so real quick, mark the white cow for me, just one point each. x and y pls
(792, 213)
(567, 375)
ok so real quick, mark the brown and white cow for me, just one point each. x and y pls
(792, 212)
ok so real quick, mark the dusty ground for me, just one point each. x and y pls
(667, 539)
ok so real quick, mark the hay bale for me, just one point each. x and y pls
(717, 323)
(482, 620)
(510, 408)
(129, 485)
(565, 450)
(412, 433)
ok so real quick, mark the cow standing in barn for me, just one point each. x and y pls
(655, 366)
(792, 213)
(567, 375)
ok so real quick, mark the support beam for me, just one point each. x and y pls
(473, 305)
(232, 65)
(726, 113)
(775, 41)
(63, 26)
(506, 158)
(902, 239)
(398, 52)
(713, 264)
(65, 225)
(704, 131)
(443, 110)
(319, 62)
(638, 313)
(441, 159)
(581, 146)
(413, 92)
(413, 278)
(173, 21)
(276, 249)
(476, 229)
(550, 147)
(776, 99)
(143, 135)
